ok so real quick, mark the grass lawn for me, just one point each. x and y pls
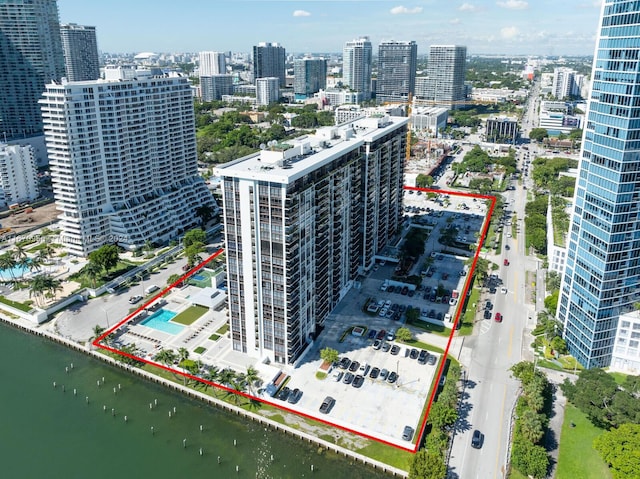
(199, 350)
(21, 306)
(189, 315)
(387, 454)
(431, 328)
(577, 456)
(619, 377)
(469, 315)
(214, 337)
(223, 329)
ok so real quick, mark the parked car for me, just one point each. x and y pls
(392, 377)
(348, 378)
(381, 334)
(327, 405)
(284, 394)
(395, 349)
(414, 353)
(477, 439)
(337, 375)
(498, 318)
(372, 333)
(407, 433)
(487, 314)
(295, 396)
(386, 347)
(376, 344)
(375, 372)
(135, 299)
(344, 363)
(383, 374)
(431, 360)
(391, 335)
(358, 381)
(353, 367)
(422, 358)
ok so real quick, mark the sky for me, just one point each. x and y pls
(512, 27)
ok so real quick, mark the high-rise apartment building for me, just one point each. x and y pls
(357, 60)
(397, 63)
(30, 56)
(123, 161)
(310, 76)
(18, 174)
(80, 48)
(267, 90)
(302, 219)
(269, 60)
(211, 63)
(602, 271)
(214, 87)
(444, 84)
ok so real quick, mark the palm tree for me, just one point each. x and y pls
(23, 263)
(97, 331)
(166, 356)
(227, 376)
(54, 285)
(8, 262)
(205, 212)
(251, 377)
(19, 252)
(93, 272)
(35, 263)
(39, 284)
(183, 353)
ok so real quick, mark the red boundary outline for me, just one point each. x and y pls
(98, 341)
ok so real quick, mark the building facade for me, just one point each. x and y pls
(211, 63)
(502, 130)
(429, 119)
(602, 271)
(444, 85)
(397, 62)
(269, 60)
(18, 174)
(357, 62)
(80, 48)
(213, 87)
(267, 90)
(302, 219)
(310, 76)
(626, 350)
(123, 161)
(31, 56)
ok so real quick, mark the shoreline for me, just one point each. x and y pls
(263, 420)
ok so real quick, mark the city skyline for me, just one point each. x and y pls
(485, 26)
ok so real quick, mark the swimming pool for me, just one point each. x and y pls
(199, 277)
(160, 320)
(13, 273)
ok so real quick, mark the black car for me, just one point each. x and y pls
(383, 374)
(354, 366)
(414, 353)
(327, 404)
(487, 314)
(284, 394)
(348, 378)
(358, 381)
(372, 334)
(392, 378)
(345, 363)
(492, 290)
(407, 433)
(386, 347)
(422, 358)
(411, 293)
(295, 396)
(477, 439)
(395, 349)
(375, 372)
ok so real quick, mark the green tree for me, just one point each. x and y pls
(404, 335)
(619, 448)
(559, 345)
(424, 181)
(551, 301)
(531, 426)
(93, 272)
(329, 355)
(166, 356)
(173, 278)
(593, 394)
(106, 256)
(427, 465)
(442, 414)
(252, 377)
(538, 134)
(97, 331)
(530, 459)
(194, 236)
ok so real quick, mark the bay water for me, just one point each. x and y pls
(78, 429)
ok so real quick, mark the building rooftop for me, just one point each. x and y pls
(289, 160)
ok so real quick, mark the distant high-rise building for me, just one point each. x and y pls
(267, 90)
(211, 63)
(80, 49)
(18, 174)
(566, 83)
(444, 85)
(123, 161)
(601, 281)
(356, 66)
(213, 87)
(302, 220)
(310, 76)
(397, 63)
(30, 56)
(269, 61)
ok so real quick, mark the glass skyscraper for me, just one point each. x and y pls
(602, 275)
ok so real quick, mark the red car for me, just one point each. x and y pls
(498, 318)
(506, 262)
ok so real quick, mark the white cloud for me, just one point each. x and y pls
(301, 13)
(514, 4)
(509, 32)
(467, 7)
(454, 21)
(404, 10)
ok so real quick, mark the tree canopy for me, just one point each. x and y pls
(106, 256)
(619, 448)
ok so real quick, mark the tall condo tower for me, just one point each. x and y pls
(444, 85)
(123, 161)
(30, 56)
(211, 63)
(310, 76)
(269, 61)
(80, 49)
(602, 273)
(356, 66)
(302, 219)
(397, 63)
